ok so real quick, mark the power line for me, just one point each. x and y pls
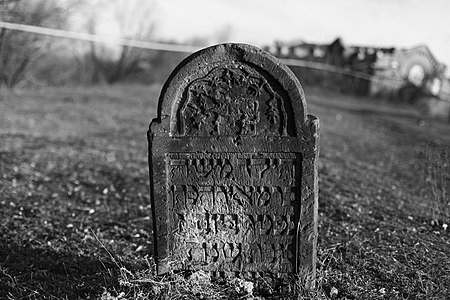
(163, 46)
(324, 67)
(97, 38)
(185, 49)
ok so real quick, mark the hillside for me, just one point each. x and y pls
(75, 207)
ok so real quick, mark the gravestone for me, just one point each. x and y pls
(233, 168)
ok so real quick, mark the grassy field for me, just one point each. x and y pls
(75, 207)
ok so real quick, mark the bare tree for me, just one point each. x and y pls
(128, 20)
(19, 50)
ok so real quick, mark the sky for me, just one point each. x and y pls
(385, 23)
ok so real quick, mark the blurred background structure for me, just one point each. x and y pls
(395, 50)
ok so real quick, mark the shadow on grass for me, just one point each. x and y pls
(39, 273)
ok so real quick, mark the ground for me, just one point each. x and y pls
(75, 207)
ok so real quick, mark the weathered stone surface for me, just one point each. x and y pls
(233, 168)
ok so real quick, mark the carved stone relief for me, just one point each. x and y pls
(235, 209)
(232, 101)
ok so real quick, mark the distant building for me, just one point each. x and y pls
(298, 49)
(390, 70)
(329, 53)
(445, 90)
(410, 66)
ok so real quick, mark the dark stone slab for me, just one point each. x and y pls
(233, 168)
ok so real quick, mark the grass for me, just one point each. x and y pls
(75, 207)
(437, 172)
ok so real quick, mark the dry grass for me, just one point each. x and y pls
(437, 174)
(74, 182)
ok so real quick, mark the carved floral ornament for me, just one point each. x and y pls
(232, 101)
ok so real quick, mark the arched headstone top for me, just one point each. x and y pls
(233, 168)
(230, 90)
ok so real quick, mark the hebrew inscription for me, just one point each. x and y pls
(233, 212)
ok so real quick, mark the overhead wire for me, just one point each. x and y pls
(187, 49)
